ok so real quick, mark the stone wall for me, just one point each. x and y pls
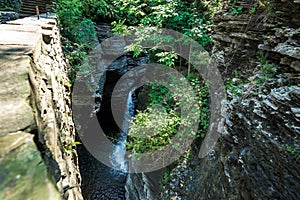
(37, 134)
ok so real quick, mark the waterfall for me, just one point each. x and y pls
(117, 157)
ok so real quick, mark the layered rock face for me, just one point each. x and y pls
(269, 26)
(257, 156)
(38, 158)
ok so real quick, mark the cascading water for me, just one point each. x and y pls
(98, 180)
(117, 158)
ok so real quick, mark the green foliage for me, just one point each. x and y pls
(121, 28)
(167, 58)
(150, 15)
(234, 85)
(202, 92)
(213, 6)
(267, 69)
(173, 14)
(7, 8)
(70, 146)
(165, 179)
(252, 11)
(261, 57)
(293, 151)
(75, 21)
(78, 33)
(73, 25)
(159, 94)
(236, 10)
(69, 14)
(154, 128)
(97, 9)
(264, 72)
(9, 5)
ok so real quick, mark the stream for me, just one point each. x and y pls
(99, 180)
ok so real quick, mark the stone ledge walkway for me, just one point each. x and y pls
(20, 161)
(25, 46)
(19, 41)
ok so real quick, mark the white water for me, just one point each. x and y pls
(117, 158)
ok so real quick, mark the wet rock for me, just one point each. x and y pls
(296, 65)
(143, 185)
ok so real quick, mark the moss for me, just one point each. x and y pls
(23, 175)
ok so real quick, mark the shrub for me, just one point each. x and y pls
(154, 128)
(78, 32)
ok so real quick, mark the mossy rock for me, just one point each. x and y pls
(23, 175)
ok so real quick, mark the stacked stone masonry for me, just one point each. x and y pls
(36, 114)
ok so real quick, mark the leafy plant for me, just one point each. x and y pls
(234, 85)
(78, 33)
(267, 69)
(236, 10)
(121, 28)
(167, 58)
(97, 9)
(154, 128)
(261, 57)
(173, 14)
(293, 151)
(70, 146)
(165, 179)
(252, 11)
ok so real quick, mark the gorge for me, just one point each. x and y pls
(256, 45)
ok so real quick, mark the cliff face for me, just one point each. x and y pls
(38, 158)
(269, 26)
(257, 156)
